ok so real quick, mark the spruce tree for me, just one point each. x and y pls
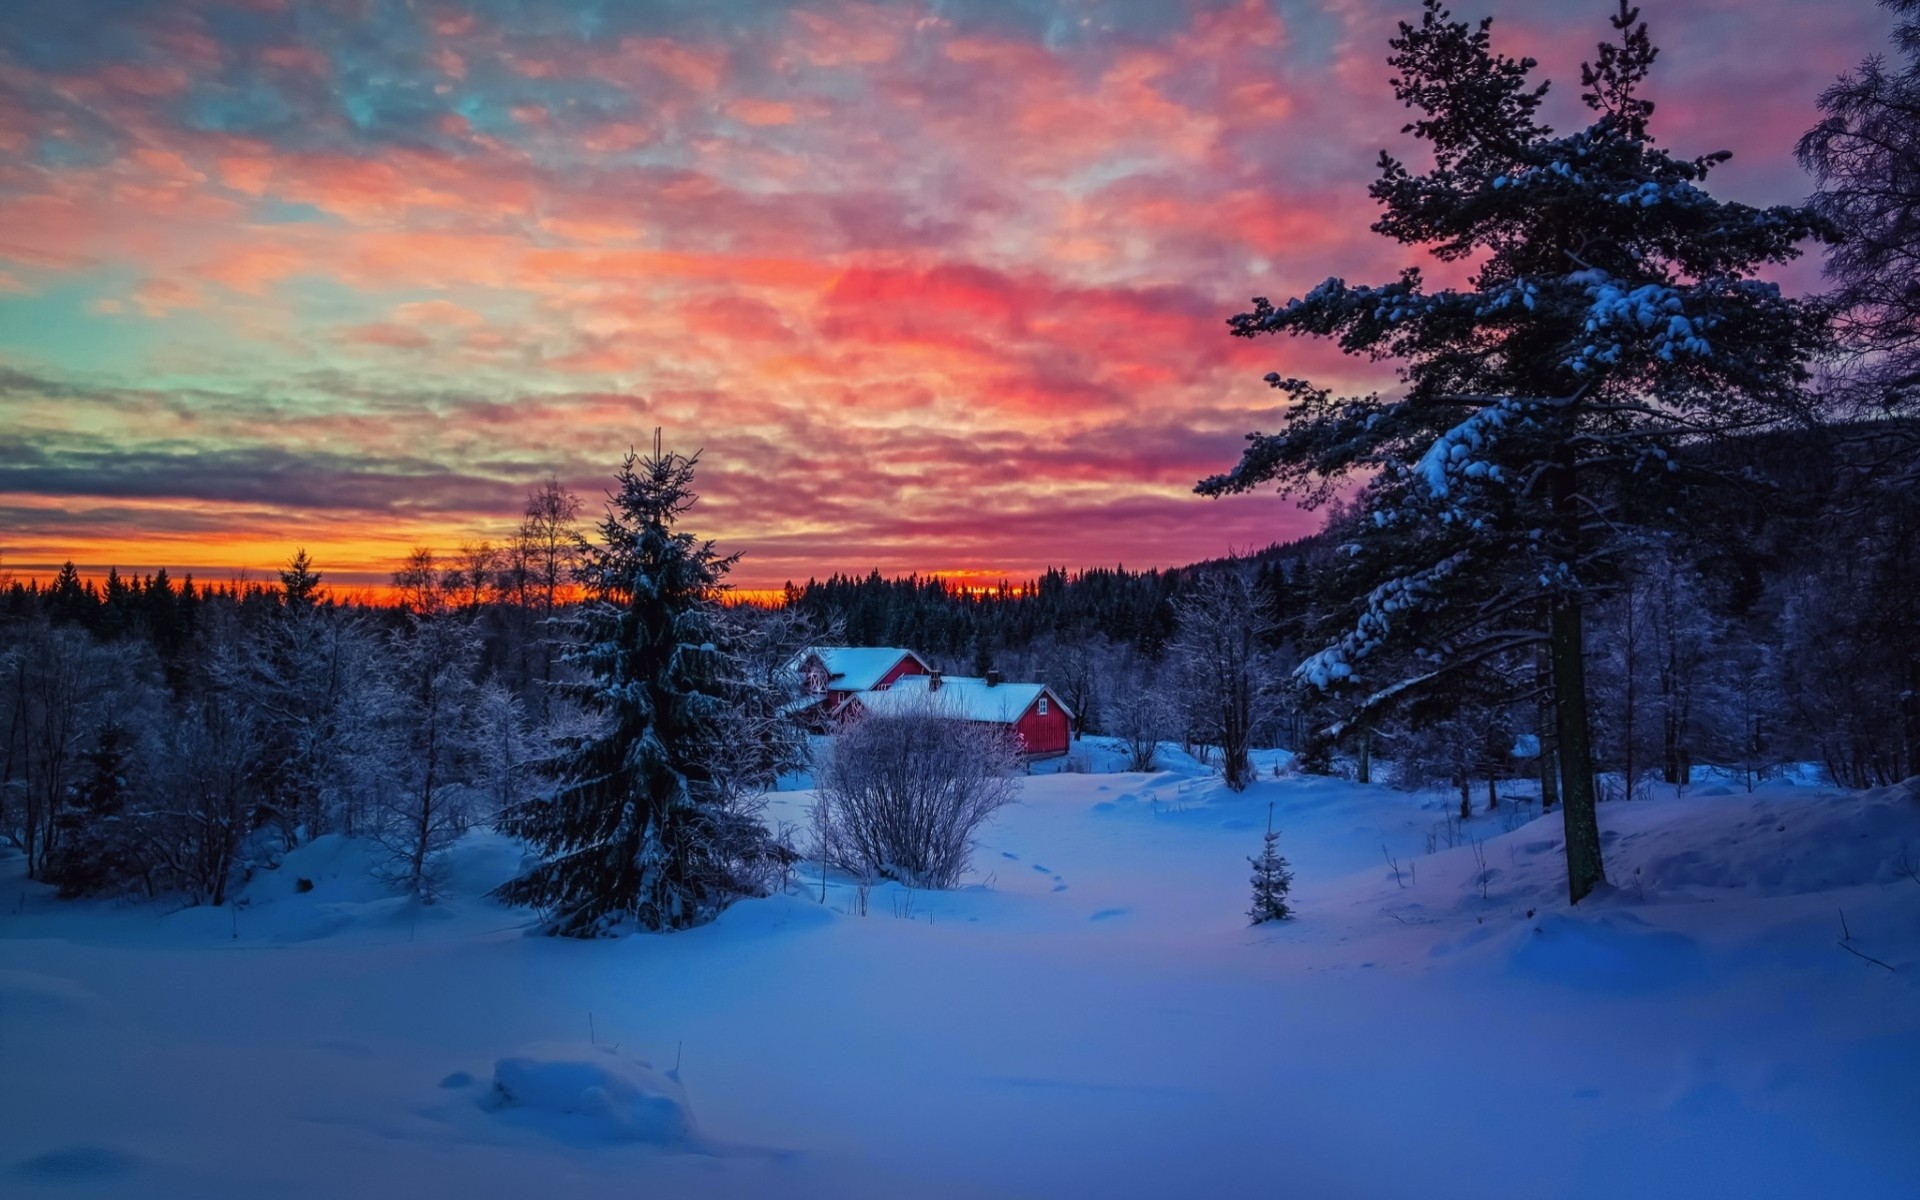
(1610, 331)
(299, 582)
(639, 829)
(1272, 880)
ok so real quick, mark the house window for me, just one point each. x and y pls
(1043, 706)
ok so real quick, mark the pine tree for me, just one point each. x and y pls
(1272, 880)
(299, 582)
(639, 829)
(1611, 330)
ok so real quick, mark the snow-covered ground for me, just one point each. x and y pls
(1090, 1017)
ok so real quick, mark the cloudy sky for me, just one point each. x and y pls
(935, 286)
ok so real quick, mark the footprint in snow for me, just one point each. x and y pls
(1108, 914)
(1041, 869)
(1058, 886)
(1010, 856)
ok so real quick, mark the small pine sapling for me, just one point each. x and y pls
(1271, 880)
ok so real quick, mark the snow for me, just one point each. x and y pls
(960, 696)
(590, 1092)
(1089, 1015)
(1453, 453)
(1385, 604)
(1616, 312)
(855, 668)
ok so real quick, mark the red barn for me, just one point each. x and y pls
(1030, 711)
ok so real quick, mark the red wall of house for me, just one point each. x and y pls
(908, 665)
(1043, 735)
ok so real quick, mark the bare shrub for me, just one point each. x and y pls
(904, 791)
(1140, 719)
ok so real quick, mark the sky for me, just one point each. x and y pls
(934, 287)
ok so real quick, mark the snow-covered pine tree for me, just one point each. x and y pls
(1272, 880)
(638, 829)
(1611, 327)
(310, 669)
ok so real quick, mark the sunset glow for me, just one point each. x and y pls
(934, 287)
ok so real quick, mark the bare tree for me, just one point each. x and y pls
(549, 533)
(418, 582)
(1072, 667)
(1138, 712)
(507, 754)
(475, 573)
(57, 676)
(905, 790)
(208, 788)
(1220, 650)
(546, 550)
(1864, 156)
(437, 746)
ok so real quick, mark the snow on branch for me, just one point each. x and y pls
(1456, 455)
(1617, 313)
(1384, 604)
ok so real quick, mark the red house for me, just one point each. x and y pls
(834, 673)
(1036, 718)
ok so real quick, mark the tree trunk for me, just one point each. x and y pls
(1493, 795)
(1365, 766)
(1575, 752)
(1549, 771)
(1631, 653)
(1670, 689)
(1545, 718)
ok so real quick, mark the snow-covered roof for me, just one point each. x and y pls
(963, 697)
(856, 668)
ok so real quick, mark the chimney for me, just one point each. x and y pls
(933, 681)
(993, 677)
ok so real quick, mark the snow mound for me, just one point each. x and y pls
(332, 868)
(591, 1093)
(1789, 845)
(28, 994)
(1616, 953)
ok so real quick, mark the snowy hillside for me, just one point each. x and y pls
(1090, 1016)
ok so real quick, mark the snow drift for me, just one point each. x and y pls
(591, 1093)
